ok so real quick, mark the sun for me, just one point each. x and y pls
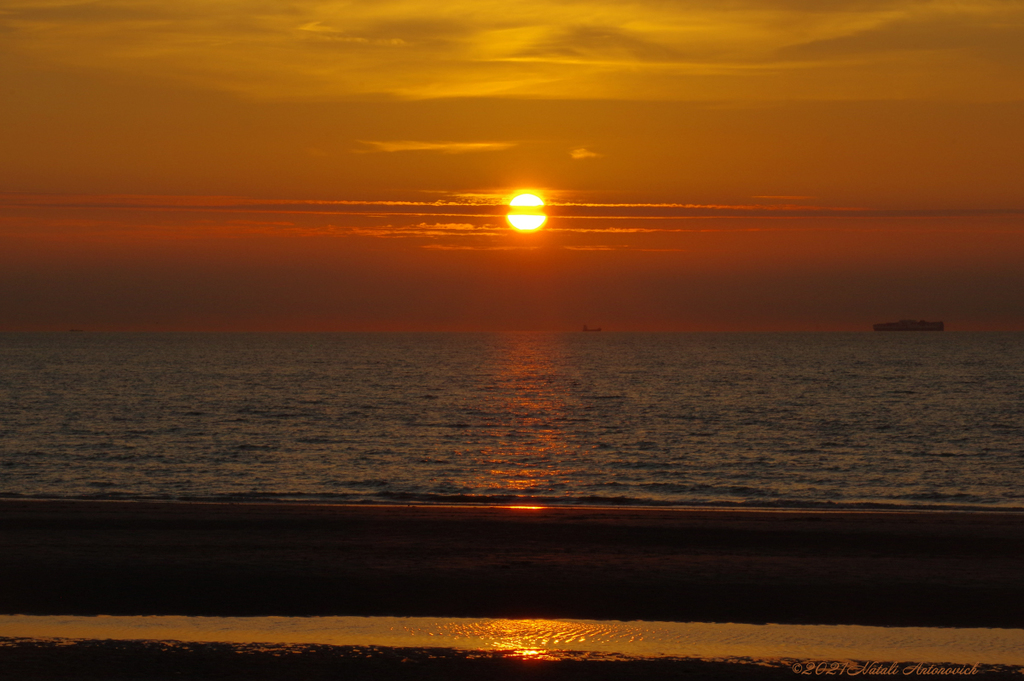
(525, 214)
(526, 200)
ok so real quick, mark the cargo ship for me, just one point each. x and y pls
(586, 330)
(910, 325)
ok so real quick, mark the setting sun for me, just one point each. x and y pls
(526, 200)
(525, 215)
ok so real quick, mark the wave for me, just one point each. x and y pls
(590, 501)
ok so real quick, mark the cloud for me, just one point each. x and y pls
(442, 147)
(447, 247)
(603, 43)
(697, 50)
(421, 230)
(939, 32)
(472, 214)
(584, 153)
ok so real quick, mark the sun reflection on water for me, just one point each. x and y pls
(530, 638)
(532, 654)
(526, 450)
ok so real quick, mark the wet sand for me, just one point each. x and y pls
(156, 661)
(805, 567)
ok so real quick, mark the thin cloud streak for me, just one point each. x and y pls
(441, 147)
(561, 216)
(445, 247)
(423, 230)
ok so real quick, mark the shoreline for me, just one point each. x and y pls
(797, 566)
(556, 639)
(531, 503)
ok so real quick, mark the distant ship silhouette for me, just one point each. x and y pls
(910, 325)
(585, 329)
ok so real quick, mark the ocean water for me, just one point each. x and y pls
(923, 420)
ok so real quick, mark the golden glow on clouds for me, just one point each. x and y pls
(701, 152)
(692, 50)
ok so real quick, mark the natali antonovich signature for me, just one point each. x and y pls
(839, 668)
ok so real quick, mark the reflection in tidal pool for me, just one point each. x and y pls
(545, 637)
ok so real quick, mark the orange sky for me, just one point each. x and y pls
(220, 165)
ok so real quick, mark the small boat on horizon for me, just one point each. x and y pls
(587, 330)
(910, 325)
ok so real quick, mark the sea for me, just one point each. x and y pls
(786, 420)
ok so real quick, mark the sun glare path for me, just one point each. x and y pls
(525, 215)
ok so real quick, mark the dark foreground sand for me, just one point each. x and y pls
(899, 569)
(902, 569)
(156, 661)
(164, 660)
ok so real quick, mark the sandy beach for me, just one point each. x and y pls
(143, 558)
(800, 567)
